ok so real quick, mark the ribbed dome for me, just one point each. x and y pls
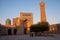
(8, 21)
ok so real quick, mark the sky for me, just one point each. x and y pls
(12, 8)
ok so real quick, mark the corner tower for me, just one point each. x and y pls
(42, 10)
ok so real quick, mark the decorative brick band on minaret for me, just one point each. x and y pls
(42, 10)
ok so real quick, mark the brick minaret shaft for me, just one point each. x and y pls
(42, 10)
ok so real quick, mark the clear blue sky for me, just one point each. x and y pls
(12, 8)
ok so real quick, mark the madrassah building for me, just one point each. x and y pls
(21, 24)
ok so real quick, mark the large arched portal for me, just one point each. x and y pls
(9, 31)
(26, 24)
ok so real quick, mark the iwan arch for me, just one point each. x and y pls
(26, 21)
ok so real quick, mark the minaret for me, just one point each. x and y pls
(42, 10)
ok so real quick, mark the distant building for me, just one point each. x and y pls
(52, 27)
(58, 28)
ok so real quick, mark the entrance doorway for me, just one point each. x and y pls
(9, 31)
(25, 31)
(25, 26)
(15, 31)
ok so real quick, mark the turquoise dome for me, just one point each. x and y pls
(8, 21)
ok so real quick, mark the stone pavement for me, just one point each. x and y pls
(27, 37)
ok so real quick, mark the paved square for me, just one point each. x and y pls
(27, 37)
